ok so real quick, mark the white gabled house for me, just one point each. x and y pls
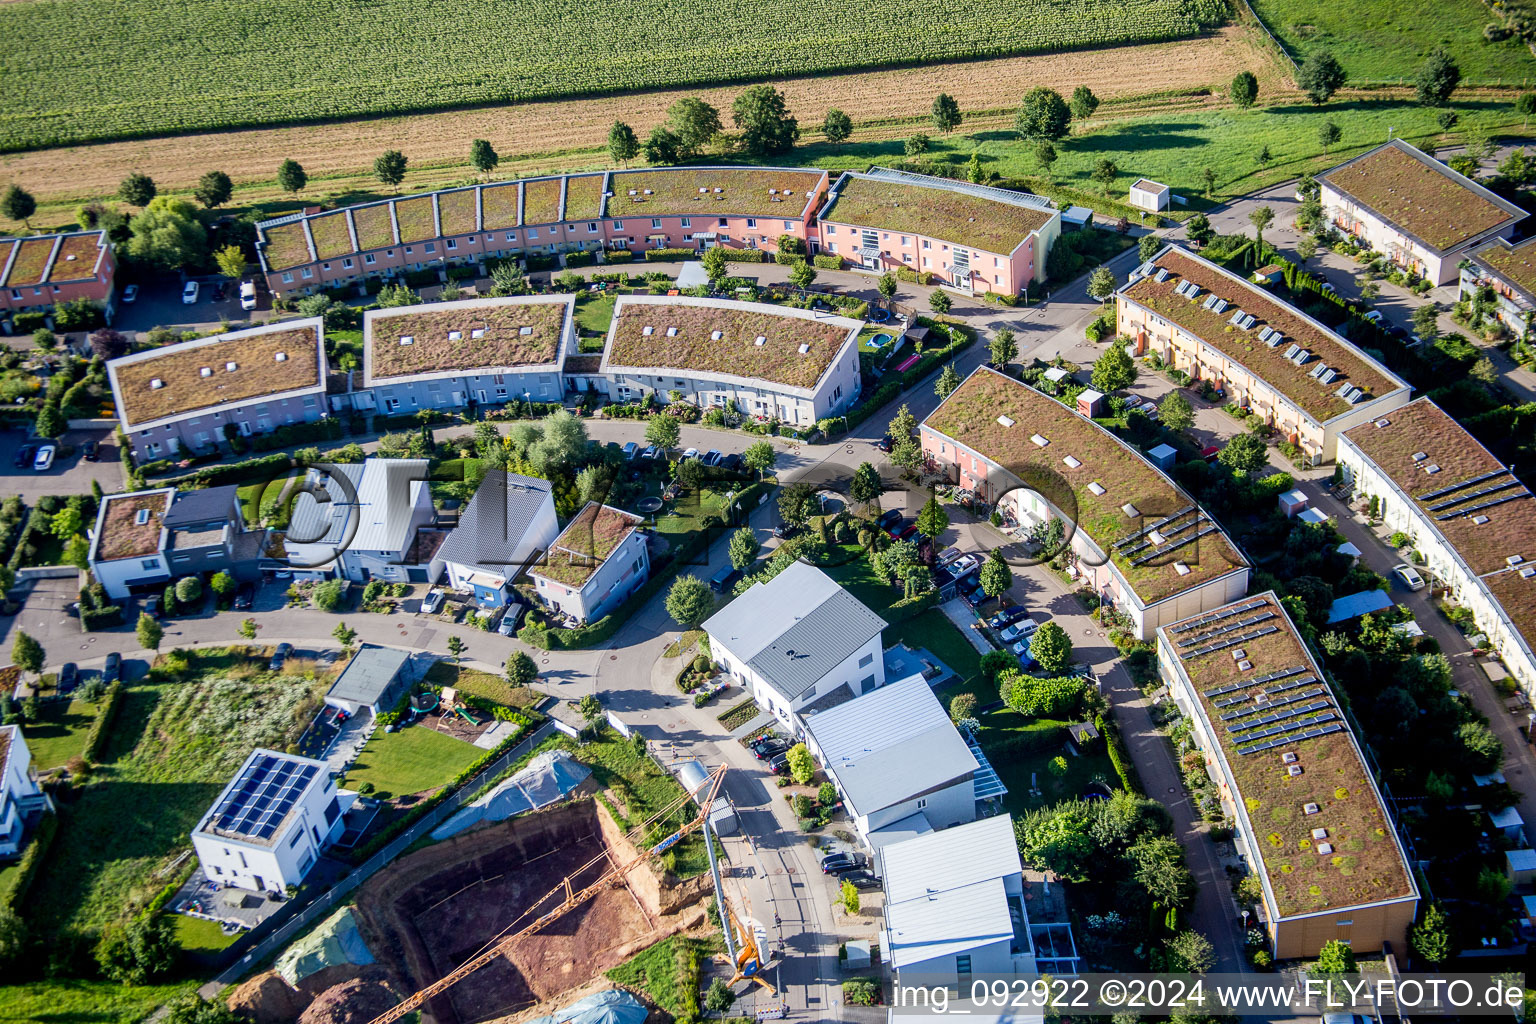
(598, 560)
(359, 522)
(20, 796)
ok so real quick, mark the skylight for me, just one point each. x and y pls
(478, 332)
(671, 332)
(1038, 440)
(157, 383)
(647, 330)
(406, 339)
(281, 357)
(760, 340)
(716, 335)
(1072, 463)
(525, 331)
(1006, 421)
(804, 349)
(1096, 488)
(455, 335)
(206, 371)
(141, 516)
(231, 367)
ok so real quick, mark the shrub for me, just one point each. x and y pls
(327, 596)
(861, 992)
(1042, 698)
(96, 738)
(669, 255)
(580, 259)
(618, 256)
(827, 261)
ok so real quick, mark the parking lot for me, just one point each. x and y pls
(70, 474)
(159, 305)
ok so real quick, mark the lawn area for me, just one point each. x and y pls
(99, 1002)
(343, 343)
(594, 312)
(414, 760)
(1024, 749)
(482, 684)
(199, 936)
(645, 789)
(61, 733)
(665, 973)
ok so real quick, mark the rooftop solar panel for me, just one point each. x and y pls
(1432, 495)
(257, 805)
(1216, 616)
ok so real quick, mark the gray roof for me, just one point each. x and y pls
(891, 745)
(795, 628)
(316, 520)
(376, 510)
(200, 506)
(493, 524)
(945, 892)
(370, 676)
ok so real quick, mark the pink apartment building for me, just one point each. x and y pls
(973, 238)
(653, 208)
(37, 272)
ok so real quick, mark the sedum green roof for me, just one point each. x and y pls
(935, 211)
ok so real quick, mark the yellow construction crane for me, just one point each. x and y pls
(568, 899)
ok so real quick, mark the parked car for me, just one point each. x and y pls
(1021, 630)
(733, 462)
(1007, 616)
(1150, 412)
(712, 458)
(778, 764)
(1210, 452)
(837, 863)
(279, 656)
(907, 532)
(69, 677)
(433, 602)
(770, 750)
(724, 579)
(948, 555)
(189, 293)
(630, 450)
(975, 597)
(248, 295)
(24, 455)
(130, 294)
(783, 531)
(244, 596)
(1373, 317)
(889, 518)
(965, 563)
(862, 878)
(1326, 287)
(1410, 577)
(1131, 402)
(689, 453)
(510, 619)
(885, 444)
(651, 452)
(43, 461)
(90, 451)
(113, 669)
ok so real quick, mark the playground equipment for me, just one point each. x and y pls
(424, 702)
(451, 703)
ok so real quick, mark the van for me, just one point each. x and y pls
(723, 579)
(248, 295)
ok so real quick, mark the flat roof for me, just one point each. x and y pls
(744, 191)
(946, 892)
(1507, 530)
(1420, 196)
(891, 744)
(226, 369)
(1264, 707)
(585, 543)
(973, 416)
(1148, 185)
(257, 803)
(1265, 360)
(119, 534)
(374, 514)
(369, 675)
(29, 265)
(1514, 264)
(682, 337)
(78, 256)
(449, 339)
(976, 216)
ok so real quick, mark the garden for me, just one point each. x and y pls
(411, 762)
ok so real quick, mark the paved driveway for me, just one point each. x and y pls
(69, 475)
(159, 305)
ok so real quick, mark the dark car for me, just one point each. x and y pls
(861, 878)
(722, 580)
(279, 656)
(974, 597)
(884, 444)
(244, 596)
(888, 518)
(24, 456)
(779, 765)
(970, 581)
(767, 739)
(771, 751)
(732, 461)
(785, 530)
(113, 669)
(837, 863)
(69, 677)
(908, 532)
(90, 451)
(895, 529)
(1007, 617)
(631, 450)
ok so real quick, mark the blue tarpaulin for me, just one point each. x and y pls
(614, 1006)
(1356, 605)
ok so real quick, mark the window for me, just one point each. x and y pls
(453, 243)
(1344, 922)
(370, 259)
(963, 963)
(789, 224)
(866, 661)
(751, 222)
(347, 263)
(831, 247)
(409, 250)
(511, 236)
(325, 266)
(533, 233)
(927, 262)
(298, 834)
(904, 240)
(591, 227)
(927, 244)
(429, 247)
(922, 803)
(306, 273)
(866, 684)
(837, 392)
(287, 279)
(996, 262)
(149, 563)
(687, 222)
(618, 225)
(655, 222)
(831, 229)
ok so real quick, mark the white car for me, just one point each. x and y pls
(1373, 317)
(189, 293)
(964, 564)
(248, 295)
(1403, 571)
(44, 459)
(433, 601)
(691, 453)
(1021, 630)
(130, 294)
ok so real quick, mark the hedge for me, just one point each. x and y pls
(38, 522)
(468, 273)
(893, 386)
(1027, 741)
(584, 258)
(744, 255)
(328, 429)
(618, 256)
(670, 255)
(827, 261)
(234, 472)
(536, 262)
(32, 859)
(97, 737)
(1118, 756)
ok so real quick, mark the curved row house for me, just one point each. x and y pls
(1467, 513)
(650, 208)
(971, 237)
(1510, 270)
(1270, 357)
(192, 395)
(39, 271)
(1132, 534)
(1419, 213)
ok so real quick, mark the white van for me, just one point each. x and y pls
(248, 295)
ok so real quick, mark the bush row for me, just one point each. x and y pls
(960, 339)
(262, 468)
(97, 610)
(584, 258)
(96, 738)
(1118, 756)
(827, 261)
(745, 255)
(32, 859)
(618, 256)
(328, 429)
(670, 255)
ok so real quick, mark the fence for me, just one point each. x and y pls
(280, 934)
(618, 726)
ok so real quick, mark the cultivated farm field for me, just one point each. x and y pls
(83, 70)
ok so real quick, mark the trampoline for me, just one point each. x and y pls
(880, 341)
(645, 506)
(878, 316)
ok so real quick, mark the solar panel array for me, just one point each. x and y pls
(1126, 541)
(1217, 616)
(1441, 492)
(1284, 673)
(1481, 492)
(1168, 549)
(1283, 687)
(261, 799)
(1282, 702)
(1293, 737)
(1252, 620)
(1222, 645)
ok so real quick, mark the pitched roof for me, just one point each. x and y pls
(1319, 401)
(890, 745)
(449, 339)
(493, 525)
(979, 216)
(1421, 196)
(795, 628)
(584, 545)
(371, 676)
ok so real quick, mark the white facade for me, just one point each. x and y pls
(1148, 195)
(270, 864)
(19, 794)
(541, 532)
(862, 671)
(625, 568)
(363, 524)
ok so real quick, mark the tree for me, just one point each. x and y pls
(1328, 133)
(1178, 415)
(189, 589)
(591, 709)
(1043, 114)
(13, 935)
(521, 669)
(1105, 172)
(1438, 77)
(1431, 937)
(623, 146)
(932, 520)
(456, 647)
(144, 950)
(1161, 872)
(663, 147)
(214, 189)
(719, 997)
(1199, 229)
(1335, 958)
(1148, 247)
(1101, 284)
(1208, 178)
(137, 189)
(663, 431)
(949, 379)
(483, 156)
(903, 425)
(1051, 647)
(1261, 218)
(66, 523)
(996, 576)
(1447, 119)
(168, 234)
(962, 706)
(564, 440)
(714, 264)
(1083, 104)
(392, 295)
(1484, 752)
(1320, 76)
(247, 629)
(149, 632)
(836, 127)
(915, 145)
(742, 548)
(222, 583)
(886, 285)
(802, 275)
(973, 172)
(345, 635)
(77, 552)
(694, 123)
(1114, 370)
(940, 301)
(1525, 106)
(292, 176)
(389, 167)
(44, 340)
(507, 279)
(1244, 89)
(1265, 158)
(1244, 454)
(760, 457)
(1192, 951)
(797, 503)
(848, 896)
(689, 601)
(1045, 155)
(107, 343)
(801, 765)
(327, 596)
(1002, 349)
(26, 653)
(18, 204)
(1426, 322)
(866, 486)
(230, 261)
(946, 113)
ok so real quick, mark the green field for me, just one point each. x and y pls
(100, 1002)
(61, 733)
(82, 70)
(413, 760)
(1378, 40)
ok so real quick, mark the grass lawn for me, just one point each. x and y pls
(1018, 767)
(414, 760)
(482, 684)
(645, 789)
(199, 936)
(100, 1002)
(344, 343)
(50, 550)
(61, 734)
(659, 973)
(594, 312)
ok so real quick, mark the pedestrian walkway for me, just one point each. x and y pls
(964, 618)
(349, 742)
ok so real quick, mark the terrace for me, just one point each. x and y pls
(122, 535)
(1362, 863)
(196, 375)
(331, 234)
(1420, 195)
(541, 201)
(77, 258)
(674, 192)
(585, 543)
(972, 416)
(464, 337)
(716, 336)
(584, 197)
(1318, 400)
(937, 211)
(286, 245)
(30, 262)
(375, 229)
(498, 207)
(415, 218)
(457, 211)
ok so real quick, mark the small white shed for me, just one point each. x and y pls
(1149, 195)
(1311, 515)
(1163, 455)
(1292, 502)
(1348, 550)
(1520, 866)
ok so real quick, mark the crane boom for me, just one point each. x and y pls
(570, 900)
